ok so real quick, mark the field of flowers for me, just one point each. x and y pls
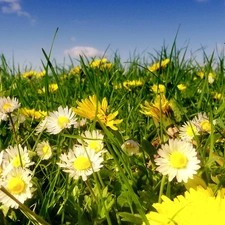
(106, 143)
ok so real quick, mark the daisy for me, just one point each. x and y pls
(93, 140)
(8, 105)
(3, 116)
(188, 131)
(18, 183)
(202, 122)
(59, 120)
(80, 124)
(211, 78)
(44, 150)
(16, 157)
(177, 159)
(41, 126)
(1, 164)
(130, 146)
(80, 162)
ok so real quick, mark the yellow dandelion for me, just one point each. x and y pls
(32, 113)
(133, 83)
(217, 95)
(75, 71)
(98, 62)
(41, 74)
(160, 106)
(158, 65)
(51, 88)
(158, 88)
(201, 74)
(29, 74)
(91, 108)
(181, 87)
(196, 207)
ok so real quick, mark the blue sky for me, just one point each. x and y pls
(127, 27)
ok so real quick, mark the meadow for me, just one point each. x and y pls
(102, 142)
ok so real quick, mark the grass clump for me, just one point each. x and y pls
(101, 142)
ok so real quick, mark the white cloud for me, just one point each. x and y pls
(13, 6)
(84, 51)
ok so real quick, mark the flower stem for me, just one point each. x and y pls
(24, 207)
(161, 188)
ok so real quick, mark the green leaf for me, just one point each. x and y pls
(133, 218)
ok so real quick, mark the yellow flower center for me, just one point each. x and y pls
(206, 126)
(17, 162)
(95, 146)
(178, 160)
(62, 121)
(46, 149)
(191, 131)
(7, 106)
(16, 185)
(82, 163)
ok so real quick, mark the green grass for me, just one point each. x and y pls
(123, 191)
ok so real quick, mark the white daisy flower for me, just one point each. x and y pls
(15, 157)
(188, 131)
(130, 146)
(59, 120)
(44, 150)
(80, 162)
(18, 183)
(41, 126)
(94, 140)
(3, 116)
(1, 164)
(8, 105)
(82, 123)
(177, 159)
(202, 122)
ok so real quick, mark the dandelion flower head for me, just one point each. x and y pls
(196, 207)
(91, 108)
(160, 88)
(158, 65)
